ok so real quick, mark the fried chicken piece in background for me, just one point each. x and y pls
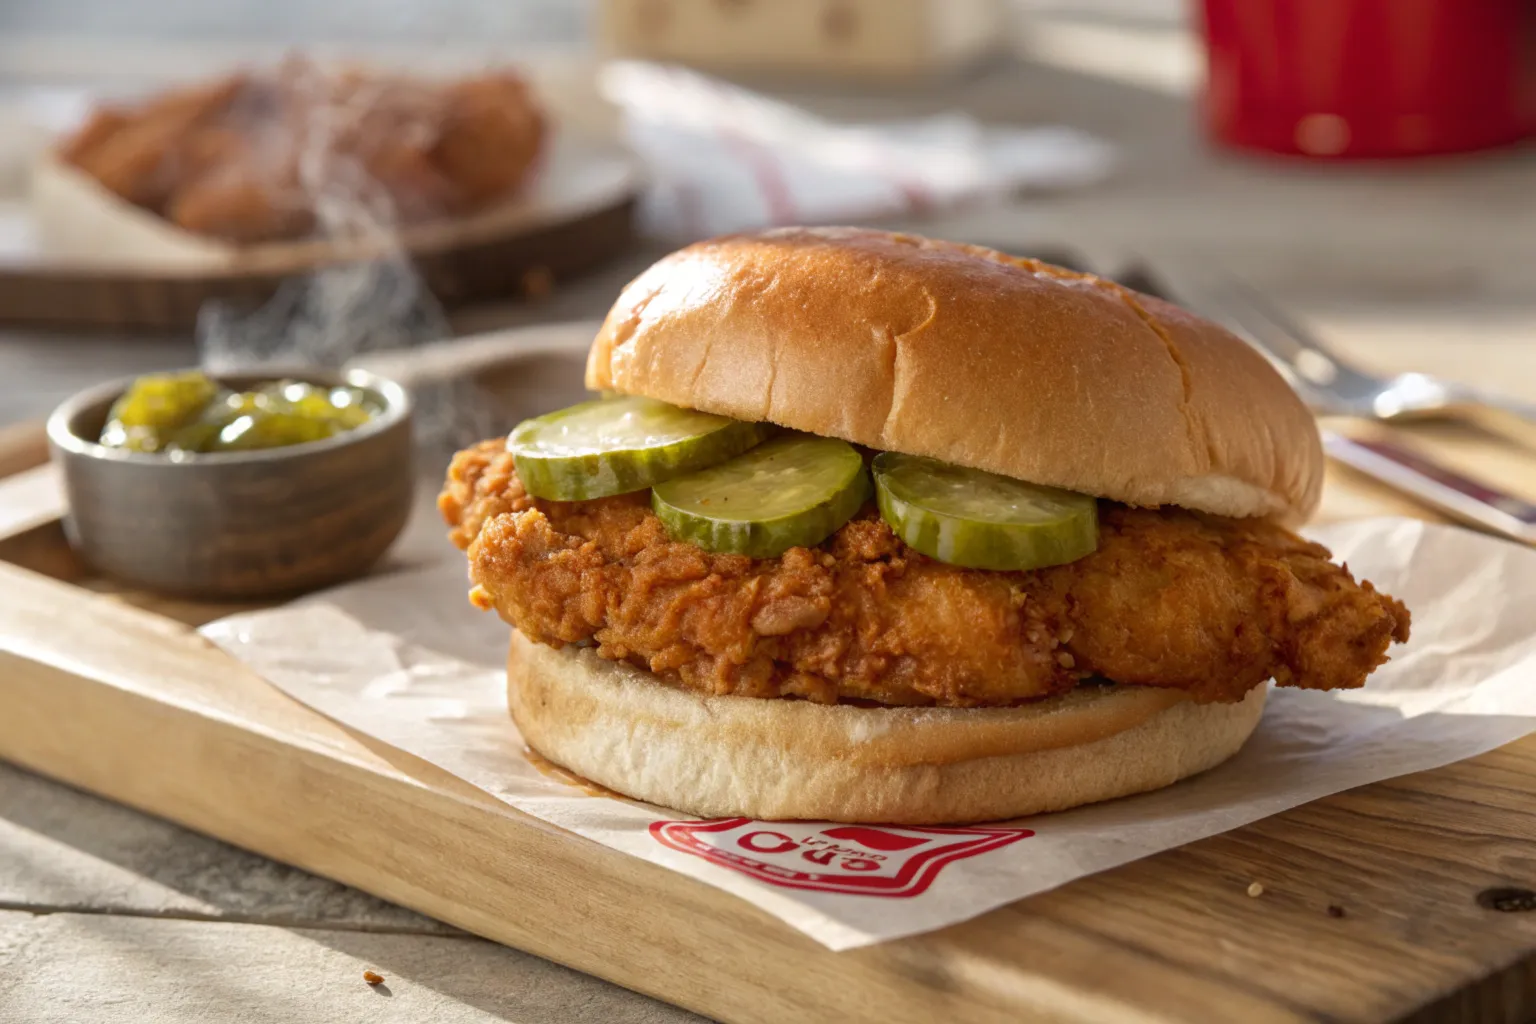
(241, 209)
(139, 154)
(489, 136)
(255, 157)
(1170, 598)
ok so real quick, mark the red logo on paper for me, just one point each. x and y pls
(855, 860)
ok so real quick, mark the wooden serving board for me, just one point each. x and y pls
(1430, 874)
(76, 256)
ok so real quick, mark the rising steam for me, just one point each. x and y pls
(339, 312)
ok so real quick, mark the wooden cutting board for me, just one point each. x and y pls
(1431, 875)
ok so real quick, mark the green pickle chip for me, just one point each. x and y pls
(982, 520)
(189, 413)
(618, 445)
(795, 490)
(283, 413)
(155, 406)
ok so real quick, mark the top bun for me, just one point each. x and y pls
(971, 356)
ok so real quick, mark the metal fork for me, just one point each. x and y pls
(1331, 385)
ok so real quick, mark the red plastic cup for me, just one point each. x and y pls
(1347, 79)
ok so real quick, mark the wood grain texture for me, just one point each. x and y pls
(66, 851)
(22, 446)
(1171, 938)
(519, 266)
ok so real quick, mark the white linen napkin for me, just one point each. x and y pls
(724, 159)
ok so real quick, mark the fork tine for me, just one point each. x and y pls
(1324, 380)
(1278, 331)
(1194, 287)
(1333, 382)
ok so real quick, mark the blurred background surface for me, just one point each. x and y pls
(1402, 250)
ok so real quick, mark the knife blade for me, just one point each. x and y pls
(1444, 490)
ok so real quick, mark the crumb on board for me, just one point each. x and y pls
(1255, 889)
(373, 977)
(1334, 910)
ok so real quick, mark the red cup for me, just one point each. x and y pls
(1346, 79)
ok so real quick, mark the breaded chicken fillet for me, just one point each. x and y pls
(1171, 598)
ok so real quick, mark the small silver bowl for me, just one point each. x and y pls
(237, 524)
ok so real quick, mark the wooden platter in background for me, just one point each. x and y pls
(112, 691)
(576, 215)
(22, 446)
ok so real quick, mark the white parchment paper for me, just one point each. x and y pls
(403, 658)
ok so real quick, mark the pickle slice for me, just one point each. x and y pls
(153, 407)
(981, 520)
(793, 491)
(273, 415)
(617, 445)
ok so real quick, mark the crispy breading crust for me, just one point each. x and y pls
(1170, 598)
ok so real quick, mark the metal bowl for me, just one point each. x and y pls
(237, 524)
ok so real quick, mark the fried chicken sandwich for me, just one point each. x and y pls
(870, 527)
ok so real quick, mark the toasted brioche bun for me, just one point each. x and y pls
(967, 355)
(711, 756)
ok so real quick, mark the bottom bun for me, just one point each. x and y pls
(716, 757)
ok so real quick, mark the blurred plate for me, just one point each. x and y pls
(72, 255)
